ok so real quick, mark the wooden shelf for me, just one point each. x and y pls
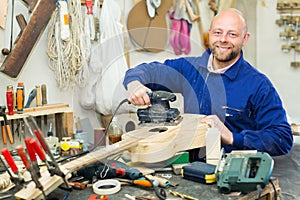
(40, 111)
(63, 115)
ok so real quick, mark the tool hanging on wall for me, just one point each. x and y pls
(68, 59)
(16, 59)
(148, 33)
(64, 21)
(89, 6)
(6, 51)
(289, 22)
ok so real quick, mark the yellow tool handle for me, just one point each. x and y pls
(4, 134)
(11, 139)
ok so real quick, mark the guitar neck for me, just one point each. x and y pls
(102, 153)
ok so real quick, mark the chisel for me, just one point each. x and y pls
(31, 96)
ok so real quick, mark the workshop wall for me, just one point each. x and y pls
(263, 51)
(272, 61)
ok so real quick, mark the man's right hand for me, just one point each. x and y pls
(137, 93)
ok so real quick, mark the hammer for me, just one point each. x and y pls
(5, 127)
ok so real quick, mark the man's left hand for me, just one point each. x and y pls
(214, 121)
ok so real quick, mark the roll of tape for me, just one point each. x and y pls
(107, 186)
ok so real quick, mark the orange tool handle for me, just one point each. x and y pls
(77, 185)
(20, 99)
(89, 6)
(143, 183)
(22, 155)
(9, 160)
(33, 143)
(3, 134)
(11, 139)
(30, 149)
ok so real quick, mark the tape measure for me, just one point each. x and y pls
(97, 196)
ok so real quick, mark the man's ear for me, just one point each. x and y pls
(246, 38)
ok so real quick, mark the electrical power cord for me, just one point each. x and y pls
(100, 140)
(275, 191)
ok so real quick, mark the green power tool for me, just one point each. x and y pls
(244, 171)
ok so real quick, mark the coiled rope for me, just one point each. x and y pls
(69, 59)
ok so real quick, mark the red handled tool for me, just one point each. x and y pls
(54, 168)
(9, 159)
(10, 100)
(32, 156)
(34, 177)
(89, 6)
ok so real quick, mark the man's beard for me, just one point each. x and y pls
(224, 57)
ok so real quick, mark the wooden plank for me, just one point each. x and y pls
(39, 111)
(49, 184)
(213, 146)
(185, 135)
(64, 124)
(39, 19)
(3, 13)
(68, 123)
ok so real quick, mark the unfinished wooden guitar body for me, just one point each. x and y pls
(148, 144)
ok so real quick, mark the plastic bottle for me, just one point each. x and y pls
(114, 131)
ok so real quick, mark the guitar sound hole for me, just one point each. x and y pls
(160, 129)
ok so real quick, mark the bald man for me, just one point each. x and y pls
(235, 97)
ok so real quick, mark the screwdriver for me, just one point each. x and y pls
(78, 185)
(34, 177)
(139, 182)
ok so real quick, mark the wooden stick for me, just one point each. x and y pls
(41, 15)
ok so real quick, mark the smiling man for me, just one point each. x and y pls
(235, 97)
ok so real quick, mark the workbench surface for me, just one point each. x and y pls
(286, 169)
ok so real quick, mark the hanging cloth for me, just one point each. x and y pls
(107, 63)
